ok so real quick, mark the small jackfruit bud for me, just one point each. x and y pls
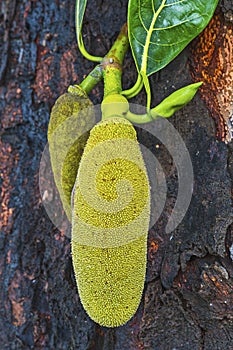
(175, 101)
(71, 117)
(110, 220)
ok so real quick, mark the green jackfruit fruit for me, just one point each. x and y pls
(110, 220)
(71, 117)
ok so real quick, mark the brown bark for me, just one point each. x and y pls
(187, 301)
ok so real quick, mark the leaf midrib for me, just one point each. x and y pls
(148, 37)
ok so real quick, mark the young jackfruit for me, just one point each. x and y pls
(71, 117)
(110, 220)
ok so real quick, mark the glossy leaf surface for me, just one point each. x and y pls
(160, 29)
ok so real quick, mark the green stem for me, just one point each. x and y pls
(168, 106)
(146, 84)
(93, 78)
(133, 91)
(141, 118)
(115, 55)
(112, 64)
(80, 39)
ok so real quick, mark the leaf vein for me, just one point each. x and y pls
(141, 44)
(169, 27)
(153, 59)
(153, 6)
(172, 44)
(177, 24)
(140, 16)
(174, 3)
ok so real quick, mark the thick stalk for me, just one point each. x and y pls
(112, 64)
(110, 67)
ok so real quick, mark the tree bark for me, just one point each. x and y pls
(187, 301)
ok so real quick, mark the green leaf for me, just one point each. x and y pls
(160, 29)
(79, 14)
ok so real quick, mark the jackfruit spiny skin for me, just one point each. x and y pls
(71, 116)
(110, 280)
(110, 219)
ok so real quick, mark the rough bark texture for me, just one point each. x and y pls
(188, 300)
